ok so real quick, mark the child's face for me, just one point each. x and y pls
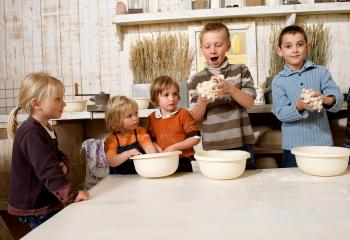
(52, 108)
(214, 47)
(294, 50)
(131, 120)
(168, 100)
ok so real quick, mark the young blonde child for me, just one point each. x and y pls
(127, 138)
(301, 124)
(225, 121)
(39, 187)
(172, 128)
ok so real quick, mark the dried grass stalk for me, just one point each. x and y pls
(163, 54)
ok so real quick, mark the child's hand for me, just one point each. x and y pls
(133, 152)
(202, 101)
(328, 100)
(301, 105)
(159, 149)
(82, 196)
(170, 148)
(64, 168)
(222, 87)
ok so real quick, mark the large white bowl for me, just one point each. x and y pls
(142, 102)
(222, 164)
(75, 105)
(157, 164)
(322, 160)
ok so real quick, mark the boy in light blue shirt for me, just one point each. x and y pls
(301, 125)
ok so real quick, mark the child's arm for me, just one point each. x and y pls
(114, 159)
(183, 145)
(242, 98)
(199, 108)
(117, 159)
(150, 148)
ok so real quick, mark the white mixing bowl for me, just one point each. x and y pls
(222, 164)
(322, 160)
(75, 105)
(142, 102)
(157, 164)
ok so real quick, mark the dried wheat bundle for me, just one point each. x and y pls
(162, 54)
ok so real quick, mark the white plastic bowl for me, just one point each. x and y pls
(142, 102)
(322, 161)
(222, 164)
(157, 164)
(75, 105)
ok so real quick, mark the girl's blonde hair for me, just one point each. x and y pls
(116, 108)
(161, 84)
(37, 86)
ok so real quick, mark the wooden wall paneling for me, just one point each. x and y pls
(28, 37)
(37, 42)
(90, 46)
(66, 46)
(51, 37)
(14, 49)
(339, 65)
(133, 33)
(3, 69)
(108, 47)
(75, 42)
(112, 55)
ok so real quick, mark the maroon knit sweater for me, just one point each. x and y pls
(37, 183)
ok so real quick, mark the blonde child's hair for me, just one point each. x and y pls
(215, 26)
(116, 108)
(37, 86)
(161, 84)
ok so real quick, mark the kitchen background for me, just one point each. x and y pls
(85, 42)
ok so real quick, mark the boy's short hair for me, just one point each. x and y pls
(292, 29)
(214, 26)
(116, 108)
(161, 84)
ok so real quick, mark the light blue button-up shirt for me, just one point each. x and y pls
(306, 128)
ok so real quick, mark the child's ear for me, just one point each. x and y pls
(279, 51)
(35, 103)
(228, 46)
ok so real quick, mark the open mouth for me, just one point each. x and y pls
(214, 59)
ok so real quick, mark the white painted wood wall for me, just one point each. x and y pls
(76, 41)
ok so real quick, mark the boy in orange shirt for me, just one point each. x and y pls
(170, 127)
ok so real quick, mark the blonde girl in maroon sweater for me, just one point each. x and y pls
(38, 186)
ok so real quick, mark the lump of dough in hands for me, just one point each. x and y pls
(314, 101)
(207, 89)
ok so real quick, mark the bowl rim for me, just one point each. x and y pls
(75, 101)
(141, 98)
(300, 151)
(155, 155)
(220, 158)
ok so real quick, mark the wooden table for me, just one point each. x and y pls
(262, 204)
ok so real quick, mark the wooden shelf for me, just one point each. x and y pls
(240, 12)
